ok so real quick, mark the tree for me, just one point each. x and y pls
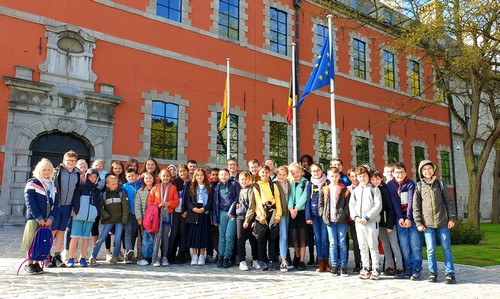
(461, 41)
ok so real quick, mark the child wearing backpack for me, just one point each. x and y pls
(114, 212)
(86, 204)
(141, 200)
(435, 213)
(41, 208)
(163, 195)
(224, 211)
(267, 215)
(297, 207)
(245, 213)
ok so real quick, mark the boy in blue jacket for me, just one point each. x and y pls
(131, 228)
(86, 202)
(402, 189)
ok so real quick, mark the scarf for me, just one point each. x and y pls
(319, 182)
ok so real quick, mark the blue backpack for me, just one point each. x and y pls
(147, 245)
(40, 247)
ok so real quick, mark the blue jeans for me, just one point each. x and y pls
(443, 233)
(284, 221)
(227, 234)
(321, 237)
(337, 234)
(102, 237)
(410, 241)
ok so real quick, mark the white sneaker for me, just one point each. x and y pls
(142, 263)
(194, 260)
(201, 260)
(156, 263)
(256, 264)
(164, 261)
(243, 266)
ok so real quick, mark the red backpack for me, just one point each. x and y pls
(151, 220)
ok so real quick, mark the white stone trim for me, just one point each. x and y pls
(396, 66)
(315, 48)
(413, 144)
(182, 129)
(323, 126)
(186, 10)
(444, 148)
(395, 139)
(242, 26)
(420, 73)
(212, 133)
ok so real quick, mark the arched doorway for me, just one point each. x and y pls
(53, 146)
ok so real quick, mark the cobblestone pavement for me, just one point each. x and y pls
(185, 281)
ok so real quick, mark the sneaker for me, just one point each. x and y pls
(311, 262)
(256, 264)
(263, 266)
(114, 260)
(210, 259)
(408, 273)
(109, 256)
(270, 266)
(284, 267)
(301, 266)
(432, 277)
(220, 262)
(335, 270)
(38, 268)
(389, 272)
(364, 274)
(399, 274)
(51, 263)
(375, 275)
(194, 260)
(129, 257)
(295, 262)
(416, 275)
(343, 272)
(164, 261)
(121, 258)
(142, 263)
(243, 266)
(156, 263)
(226, 263)
(83, 262)
(201, 260)
(356, 269)
(30, 269)
(71, 262)
(450, 279)
(93, 262)
(58, 261)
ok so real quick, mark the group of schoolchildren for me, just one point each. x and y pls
(202, 210)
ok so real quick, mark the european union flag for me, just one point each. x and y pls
(321, 73)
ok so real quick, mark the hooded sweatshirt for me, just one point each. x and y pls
(433, 205)
(87, 198)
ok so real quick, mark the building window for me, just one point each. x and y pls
(321, 35)
(170, 9)
(362, 152)
(445, 167)
(414, 67)
(325, 148)
(389, 69)
(278, 31)
(229, 19)
(359, 56)
(278, 142)
(164, 130)
(222, 139)
(419, 153)
(392, 152)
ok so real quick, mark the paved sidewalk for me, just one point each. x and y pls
(185, 281)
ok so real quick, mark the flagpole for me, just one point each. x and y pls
(228, 117)
(294, 110)
(332, 93)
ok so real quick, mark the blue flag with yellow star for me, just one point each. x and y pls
(321, 73)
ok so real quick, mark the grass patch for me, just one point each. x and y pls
(486, 253)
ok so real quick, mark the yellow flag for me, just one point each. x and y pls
(223, 115)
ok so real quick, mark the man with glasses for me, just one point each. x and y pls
(66, 180)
